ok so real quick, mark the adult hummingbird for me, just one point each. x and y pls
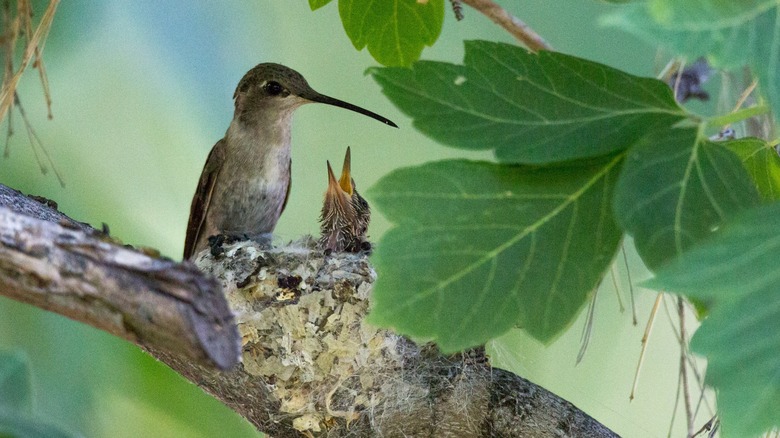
(245, 182)
(345, 214)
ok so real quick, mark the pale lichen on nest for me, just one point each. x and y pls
(301, 316)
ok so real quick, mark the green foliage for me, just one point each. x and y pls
(481, 247)
(675, 189)
(529, 243)
(762, 163)
(316, 4)
(729, 33)
(529, 108)
(17, 419)
(736, 272)
(17, 425)
(15, 386)
(395, 31)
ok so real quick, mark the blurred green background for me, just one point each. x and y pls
(142, 90)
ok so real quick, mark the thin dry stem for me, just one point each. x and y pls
(645, 338)
(512, 24)
(666, 71)
(683, 367)
(630, 283)
(32, 51)
(677, 80)
(691, 360)
(21, 26)
(587, 329)
(745, 94)
(36, 141)
(618, 291)
(707, 427)
(38, 50)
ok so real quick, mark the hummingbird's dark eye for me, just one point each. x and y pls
(274, 88)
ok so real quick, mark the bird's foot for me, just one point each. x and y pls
(217, 241)
(362, 246)
(366, 247)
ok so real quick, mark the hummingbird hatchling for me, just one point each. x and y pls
(245, 183)
(345, 214)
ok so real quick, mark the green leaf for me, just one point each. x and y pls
(730, 33)
(737, 273)
(15, 384)
(395, 31)
(316, 4)
(16, 407)
(531, 108)
(481, 247)
(762, 163)
(16, 425)
(675, 189)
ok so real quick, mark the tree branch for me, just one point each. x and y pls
(310, 364)
(64, 266)
(512, 24)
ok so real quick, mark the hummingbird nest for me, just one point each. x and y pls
(301, 317)
(311, 365)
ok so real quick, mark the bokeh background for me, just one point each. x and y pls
(142, 90)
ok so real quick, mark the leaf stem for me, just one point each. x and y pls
(512, 24)
(738, 116)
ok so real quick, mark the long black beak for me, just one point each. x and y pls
(321, 98)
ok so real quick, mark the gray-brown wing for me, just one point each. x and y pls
(289, 184)
(202, 198)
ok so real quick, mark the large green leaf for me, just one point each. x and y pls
(675, 189)
(762, 162)
(15, 385)
(395, 31)
(316, 4)
(737, 274)
(481, 247)
(530, 108)
(730, 33)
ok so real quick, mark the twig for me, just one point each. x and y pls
(645, 338)
(618, 291)
(630, 283)
(745, 94)
(706, 428)
(38, 59)
(715, 428)
(683, 367)
(689, 358)
(11, 27)
(36, 141)
(512, 24)
(674, 408)
(587, 329)
(73, 270)
(677, 80)
(31, 50)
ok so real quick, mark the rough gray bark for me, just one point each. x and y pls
(310, 364)
(69, 268)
